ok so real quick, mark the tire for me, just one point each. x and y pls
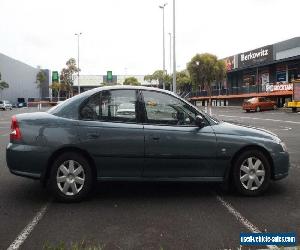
(275, 107)
(74, 185)
(246, 179)
(257, 109)
(247, 110)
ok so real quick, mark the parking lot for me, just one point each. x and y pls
(152, 215)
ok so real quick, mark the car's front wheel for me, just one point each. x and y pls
(70, 178)
(251, 173)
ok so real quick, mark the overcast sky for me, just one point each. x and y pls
(125, 36)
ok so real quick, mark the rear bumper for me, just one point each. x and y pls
(25, 160)
(281, 165)
(25, 174)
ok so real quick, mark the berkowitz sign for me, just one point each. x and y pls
(279, 87)
(257, 56)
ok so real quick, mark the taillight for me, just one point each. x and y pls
(15, 133)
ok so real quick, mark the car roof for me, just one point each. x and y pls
(119, 87)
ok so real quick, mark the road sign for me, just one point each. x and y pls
(55, 76)
(109, 76)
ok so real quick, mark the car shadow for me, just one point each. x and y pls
(276, 189)
(157, 190)
(31, 192)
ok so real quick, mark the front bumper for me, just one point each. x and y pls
(281, 165)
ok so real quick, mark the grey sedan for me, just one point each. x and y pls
(136, 134)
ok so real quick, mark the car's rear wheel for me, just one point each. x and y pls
(251, 173)
(70, 178)
(257, 109)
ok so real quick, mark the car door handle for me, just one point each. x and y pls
(92, 135)
(155, 138)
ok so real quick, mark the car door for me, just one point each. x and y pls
(174, 145)
(262, 103)
(270, 104)
(112, 134)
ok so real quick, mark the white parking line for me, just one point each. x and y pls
(246, 223)
(27, 230)
(255, 118)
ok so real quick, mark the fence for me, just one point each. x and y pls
(230, 91)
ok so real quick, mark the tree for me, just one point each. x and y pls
(131, 81)
(3, 85)
(159, 76)
(41, 80)
(204, 69)
(67, 73)
(58, 87)
(183, 80)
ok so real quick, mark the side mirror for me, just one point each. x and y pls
(200, 121)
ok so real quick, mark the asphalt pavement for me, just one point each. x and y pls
(152, 215)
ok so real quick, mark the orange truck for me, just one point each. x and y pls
(295, 103)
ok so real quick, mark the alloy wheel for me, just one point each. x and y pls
(252, 173)
(70, 177)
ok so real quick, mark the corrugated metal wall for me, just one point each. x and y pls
(21, 79)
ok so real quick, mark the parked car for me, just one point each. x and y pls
(83, 140)
(4, 105)
(258, 104)
(126, 110)
(21, 104)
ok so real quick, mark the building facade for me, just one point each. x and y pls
(22, 81)
(268, 71)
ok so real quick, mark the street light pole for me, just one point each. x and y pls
(170, 36)
(78, 35)
(174, 51)
(164, 64)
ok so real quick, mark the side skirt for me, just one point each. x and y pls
(164, 179)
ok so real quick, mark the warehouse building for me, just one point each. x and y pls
(22, 81)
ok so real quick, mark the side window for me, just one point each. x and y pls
(167, 110)
(118, 105)
(261, 99)
(91, 108)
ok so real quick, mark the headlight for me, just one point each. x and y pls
(284, 148)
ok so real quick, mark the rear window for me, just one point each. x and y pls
(252, 100)
(68, 108)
